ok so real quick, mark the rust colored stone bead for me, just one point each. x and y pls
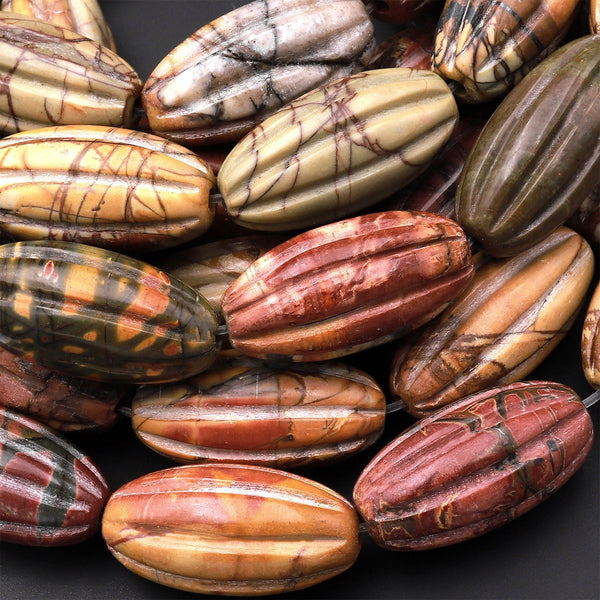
(474, 465)
(347, 286)
(231, 529)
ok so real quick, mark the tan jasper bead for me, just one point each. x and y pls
(507, 322)
(54, 76)
(231, 529)
(83, 16)
(105, 186)
(338, 149)
(590, 341)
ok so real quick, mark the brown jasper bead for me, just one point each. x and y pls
(485, 48)
(590, 340)
(245, 411)
(514, 313)
(231, 529)
(538, 156)
(347, 286)
(474, 465)
(61, 402)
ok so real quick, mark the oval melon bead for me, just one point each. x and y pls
(347, 286)
(51, 494)
(96, 314)
(111, 187)
(474, 465)
(538, 157)
(484, 48)
(248, 412)
(338, 149)
(230, 74)
(231, 529)
(77, 81)
(512, 316)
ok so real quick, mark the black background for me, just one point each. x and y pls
(551, 552)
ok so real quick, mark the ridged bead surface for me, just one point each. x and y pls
(514, 313)
(246, 411)
(538, 157)
(338, 149)
(106, 186)
(233, 72)
(83, 16)
(54, 76)
(97, 314)
(474, 465)
(231, 529)
(485, 48)
(347, 286)
(51, 494)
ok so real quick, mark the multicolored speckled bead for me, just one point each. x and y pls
(97, 314)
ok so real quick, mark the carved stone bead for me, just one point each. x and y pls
(53, 76)
(338, 149)
(484, 48)
(89, 312)
(245, 411)
(474, 465)
(230, 74)
(109, 187)
(347, 286)
(231, 529)
(83, 16)
(504, 325)
(538, 157)
(51, 493)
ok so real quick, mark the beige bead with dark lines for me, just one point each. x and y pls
(53, 76)
(83, 16)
